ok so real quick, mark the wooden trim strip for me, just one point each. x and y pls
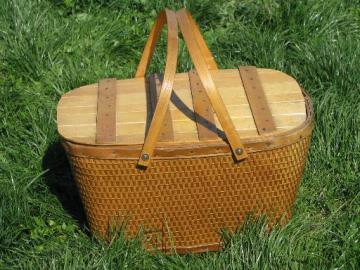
(167, 130)
(106, 112)
(204, 114)
(257, 100)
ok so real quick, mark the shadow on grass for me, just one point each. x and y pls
(61, 183)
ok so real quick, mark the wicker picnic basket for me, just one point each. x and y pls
(181, 156)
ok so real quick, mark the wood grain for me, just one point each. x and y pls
(106, 112)
(76, 112)
(258, 104)
(167, 131)
(204, 114)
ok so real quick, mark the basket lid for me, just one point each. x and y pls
(133, 101)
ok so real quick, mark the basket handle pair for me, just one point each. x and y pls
(203, 62)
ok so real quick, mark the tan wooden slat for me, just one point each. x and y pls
(186, 136)
(86, 103)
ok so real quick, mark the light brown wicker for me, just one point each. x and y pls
(193, 186)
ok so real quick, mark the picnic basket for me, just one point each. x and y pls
(181, 156)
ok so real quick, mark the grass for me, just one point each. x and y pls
(50, 47)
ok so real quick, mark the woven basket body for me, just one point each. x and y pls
(182, 156)
(184, 203)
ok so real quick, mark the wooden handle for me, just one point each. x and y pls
(169, 17)
(209, 58)
(165, 17)
(203, 61)
(209, 85)
(154, 36)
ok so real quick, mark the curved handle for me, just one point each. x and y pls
(209, 58)
(168, 17)
(154, 36)
(209, 85)
(203, 60)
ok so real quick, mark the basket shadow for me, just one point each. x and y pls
(61, 183)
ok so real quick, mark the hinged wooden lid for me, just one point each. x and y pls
(78, 109)
(196, 107)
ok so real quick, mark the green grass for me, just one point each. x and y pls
(50, 47)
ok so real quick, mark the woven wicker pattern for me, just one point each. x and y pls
(184, 203)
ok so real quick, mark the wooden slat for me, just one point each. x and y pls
(88, 104)
(106, 112)
(204, 114)
(257, 100)
(167, 131)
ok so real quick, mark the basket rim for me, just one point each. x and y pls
(168, 150)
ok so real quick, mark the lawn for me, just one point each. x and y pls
(50, 47)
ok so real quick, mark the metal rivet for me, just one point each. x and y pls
(239, 151)
(145, 157)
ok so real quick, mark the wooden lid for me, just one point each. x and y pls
(135, 99)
